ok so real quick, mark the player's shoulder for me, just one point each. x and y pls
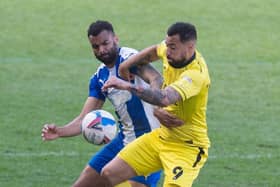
(198, 69)
(126, 52)
(161, 48)
(199, 56)
(101, 70)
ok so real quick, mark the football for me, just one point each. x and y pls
(99, 127)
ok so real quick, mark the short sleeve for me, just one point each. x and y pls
(95, 89)
(189, 84)
(161, 49)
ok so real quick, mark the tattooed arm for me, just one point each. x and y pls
(149, 74)
(159, 97)
(155, 96)
(143, 57)
(152, 95)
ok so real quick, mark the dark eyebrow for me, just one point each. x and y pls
(171, 45)
(105, 41)
(94, 46)
(102, 43)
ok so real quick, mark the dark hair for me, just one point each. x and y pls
(186, 31)
(97, 27)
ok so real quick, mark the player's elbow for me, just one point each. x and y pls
(163, 103)
(156, 82)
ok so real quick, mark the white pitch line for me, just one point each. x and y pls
(76, 154)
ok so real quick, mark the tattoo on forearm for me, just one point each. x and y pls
(172, 95)
(157, 96)
(150, 75)
(153, 96)
(158, 82)
(145, 59)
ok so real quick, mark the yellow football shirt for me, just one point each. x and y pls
(192, 83)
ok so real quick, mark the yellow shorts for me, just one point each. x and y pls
(180, 161)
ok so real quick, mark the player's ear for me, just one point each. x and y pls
(116, 38)
(191, 44)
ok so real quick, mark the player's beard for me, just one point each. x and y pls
(176, 63)
(179, 63)
(109, 57)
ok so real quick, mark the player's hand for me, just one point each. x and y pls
(114, 82)
(167, 119)
(124, 72)
(49, 132)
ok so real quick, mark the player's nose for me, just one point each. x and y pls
(102, 50)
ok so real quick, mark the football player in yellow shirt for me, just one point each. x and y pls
(181, 150)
